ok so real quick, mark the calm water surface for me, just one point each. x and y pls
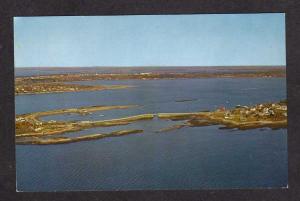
(189, 158)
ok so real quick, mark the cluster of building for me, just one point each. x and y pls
(31, 124)
(274, 110)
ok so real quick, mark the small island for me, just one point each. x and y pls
(31, 130)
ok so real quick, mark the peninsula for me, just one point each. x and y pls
(31, 130)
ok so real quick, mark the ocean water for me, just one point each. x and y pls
(188, 158)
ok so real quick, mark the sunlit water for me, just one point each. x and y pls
(188, 158)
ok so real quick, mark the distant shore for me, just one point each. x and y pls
(141, 69)
(56, 83)
(46, 88)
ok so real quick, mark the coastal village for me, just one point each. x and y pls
(270, 111)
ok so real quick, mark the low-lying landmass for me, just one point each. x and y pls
(59, 83)
(26, 87)
(65, 140)
(31, 130)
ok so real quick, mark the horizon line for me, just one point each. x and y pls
(278, 65)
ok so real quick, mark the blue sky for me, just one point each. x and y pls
(150, 40)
